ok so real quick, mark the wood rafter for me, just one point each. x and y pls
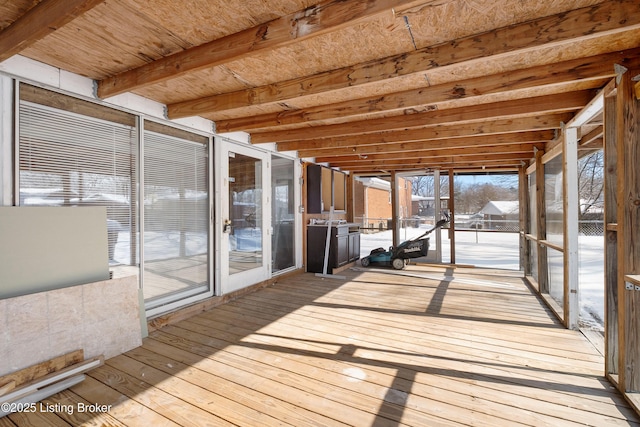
(599, 20)
(412, 155)
(523, 124)
(324, 17)
(40, 21)
(534, 137)
(494, 111)
(443, 163)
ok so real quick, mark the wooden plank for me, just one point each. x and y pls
(628, 132)
(430, 152)
(68, 405)
(165, 404)
(40, 21)
(7, 387)
(125, 410)
(216, 378)
(543, 122)
(214, 403)
(424, 346)
(322, 18)
(79, 106)
(611, 238)
(29, 388)
(534, 138)
(495, 111)
(555, 30)
(620, 123)
(268, 313)
(591, 68)
(524, 219)
(429, 161)
(37, 418)
(35, 372)
(541, 232)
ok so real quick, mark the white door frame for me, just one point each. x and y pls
(226, 281)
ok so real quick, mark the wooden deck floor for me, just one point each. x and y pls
(423, 347)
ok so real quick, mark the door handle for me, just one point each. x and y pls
(226, 227)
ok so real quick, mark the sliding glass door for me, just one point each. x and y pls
(176, 240)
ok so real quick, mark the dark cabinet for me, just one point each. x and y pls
(314, 189)
(344, 246)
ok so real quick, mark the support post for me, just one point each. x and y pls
(628, 203)
(395, 223)
(523, 187)
(452, 223)
(543, 273)
(612, 321)
(570, 211)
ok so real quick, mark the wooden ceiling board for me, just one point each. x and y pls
(433, 24)
(214, 80)
(108, 39)
(215, 19)
(377, 108)
(285, 90)
(376, 76)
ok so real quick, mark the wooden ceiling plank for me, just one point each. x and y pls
(607, 18)
(532, 137)
(495, 111)
(594, 67)
(324, 17)
(543, 122)
(40, 21)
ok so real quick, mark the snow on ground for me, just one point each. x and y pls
(479, 248)
(501, 250)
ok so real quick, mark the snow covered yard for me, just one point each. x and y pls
(501, 250)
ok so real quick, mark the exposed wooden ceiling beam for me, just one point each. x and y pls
(495, 111)
(324, 17)
(607, 18)
(443, 162)
(412, 155)
(40, 21)
(593, 140)
(523, 124)
(533, 137)
(417, 101)
(509, 168)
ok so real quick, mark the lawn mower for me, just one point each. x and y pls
(399, 256)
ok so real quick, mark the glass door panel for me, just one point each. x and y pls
(176, 220)
(283, 213)
(246, 216)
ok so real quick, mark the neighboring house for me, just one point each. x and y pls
(496, 213)
(372, 201)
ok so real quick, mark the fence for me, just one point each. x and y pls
(375, 225)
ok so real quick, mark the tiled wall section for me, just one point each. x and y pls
(100, 318)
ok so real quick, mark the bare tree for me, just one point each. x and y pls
(591, 182)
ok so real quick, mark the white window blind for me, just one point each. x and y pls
(68, 159)
(176, 218)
